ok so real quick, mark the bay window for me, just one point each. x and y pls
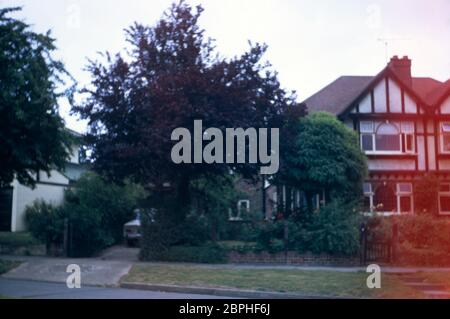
(387, 137)
(445, 137)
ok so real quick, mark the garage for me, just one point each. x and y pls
(6, 195)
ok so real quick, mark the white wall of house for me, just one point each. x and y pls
(445, 107)
(50, 189)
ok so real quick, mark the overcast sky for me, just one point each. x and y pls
(311, 43)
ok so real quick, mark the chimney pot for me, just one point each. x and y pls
(402, 68)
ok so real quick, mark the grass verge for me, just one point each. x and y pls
(317, 283)
(17, 239)
(7, 265)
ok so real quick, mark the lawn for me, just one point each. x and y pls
(316, 283)
(17, 239)
(6, 265)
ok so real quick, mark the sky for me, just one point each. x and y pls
(311, 42)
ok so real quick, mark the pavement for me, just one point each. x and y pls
(102, 275)
(42, 290)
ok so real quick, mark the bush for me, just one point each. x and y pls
(332, 230)
(45, 222)
(96, 211)
(15, 240)
(423, 240)
(210, 253)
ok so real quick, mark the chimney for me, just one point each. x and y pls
(402, 68)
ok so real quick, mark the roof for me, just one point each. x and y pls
(336, 97)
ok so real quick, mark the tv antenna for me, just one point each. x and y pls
(387, 41)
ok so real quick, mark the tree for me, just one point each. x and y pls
(170, 78)
(32, 135)
(324, 156)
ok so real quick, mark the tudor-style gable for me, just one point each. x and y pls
(404, 127)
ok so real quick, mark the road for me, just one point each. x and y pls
(42, 290)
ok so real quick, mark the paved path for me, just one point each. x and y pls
(419, 282)
(94, 272)
(40, 290)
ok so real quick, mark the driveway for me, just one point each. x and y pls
(41, 290)
(94, 272)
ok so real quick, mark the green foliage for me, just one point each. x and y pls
(32, 134)
(96, 212)
(334, 229)
(209, 253)
(45, 222)
(323, 155)
(7, 265)
(20, 239)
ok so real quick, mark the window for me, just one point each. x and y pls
(404, 193)
(444, 199)
(367, 136)
(445, 137)
(386, 137)
(408, 137)
(368, 197)
(385, 199)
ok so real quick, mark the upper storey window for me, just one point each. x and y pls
(445, 137)
(387, 137)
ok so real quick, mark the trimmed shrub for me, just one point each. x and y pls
(334, 229)
(45, 222)
(210, 253)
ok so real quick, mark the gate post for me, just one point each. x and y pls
(66, 237)
(363, 244)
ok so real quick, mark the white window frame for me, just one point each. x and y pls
(400, 194)
(443, 132)
(370, 195)
(441, 194)
(404, 129)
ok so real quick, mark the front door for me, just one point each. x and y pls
(5, 208)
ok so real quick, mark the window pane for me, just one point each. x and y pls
(409, 143)
(405, 204)
(366, 204)
(367, 142)
(444, 188)
(385, 199)
(407, 127)
(405, 188)
(446, 146)
(445, 203)
(446, 127)
(387, 129)
(366, 127)
(367, 188)
(388, 142)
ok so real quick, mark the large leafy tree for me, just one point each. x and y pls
(170, 77)
(32, 135)
(323, 156)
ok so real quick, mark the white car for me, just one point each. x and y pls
(132, 229)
